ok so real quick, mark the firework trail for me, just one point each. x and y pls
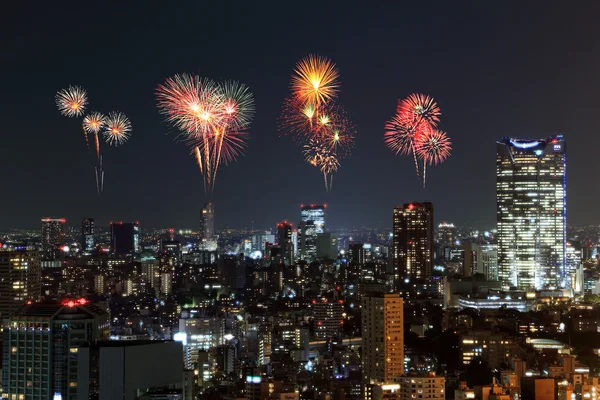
(211, 117)
(92, 123)
(71, 102)
(402, 132)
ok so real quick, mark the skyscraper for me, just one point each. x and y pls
(382, 337)
(20, 277)
(284, 239)
(40, 348)
(446, 234)
(53, 236)
(88, 242)
(207, 223)
(124, 238)
(312, 222)
(413, 241)
(531, 212)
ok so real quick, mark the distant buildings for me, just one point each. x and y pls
(124, 238)
(20, 278)
(53, 236)
(480, 259)
(41, 342)
(427, 386)
(312, 222)
(446, 234)
(382, 338)
(88, 241)
(327, 246)
(328, 318)
(413, 241)
(531, 211)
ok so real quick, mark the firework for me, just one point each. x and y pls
(117, 128)
(402, 133)
(433, 148)
(92, 123)
(297, 119)
(315, 80)
(211, 117)
(71, 102)
(421, 107)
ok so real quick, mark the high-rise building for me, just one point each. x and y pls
(53, 236)
(356, 253)
(20, 278)
(121, 369)
(88, 242)
(312, 222)
(531, 212)
(446, 234)
(124, 238)
(327, 245)
(41, 342)
(207, 223)
(328, 318)
(382, 337)
(284, 239)
(413, 241)
(480, 259)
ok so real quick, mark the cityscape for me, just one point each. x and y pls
(289, 243)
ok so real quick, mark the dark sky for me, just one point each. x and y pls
(526, 69)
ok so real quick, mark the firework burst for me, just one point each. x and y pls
(420, 107)
(315, 80)
(71, 102)
(117, 128)
(211, 117)
(92, 123)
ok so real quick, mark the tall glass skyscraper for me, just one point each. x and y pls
(312, 222)
(88, 241)
(531, 212)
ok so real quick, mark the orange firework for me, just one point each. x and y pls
(71, 102)
(92, 123)
(315, 80)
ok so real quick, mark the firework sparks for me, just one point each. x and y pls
(403, 132)
(421, 107)
(433, 148)
(92, 123)
(315, 80)
(211, 117)
(117, 128)
(71, 102)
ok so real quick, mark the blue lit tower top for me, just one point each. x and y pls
(531, 212)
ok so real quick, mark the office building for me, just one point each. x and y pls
(382, 338)
(328, 318)
(20, 277)
(207, 223)
(125, 370)
(356, 253)
(88, 241)
(413, 241)
(480, 259)
(531, 212)
(284, 239)
(534, 388)
(428, 386)
(41, 342)
(312, 222)
(53, 236)
(446, 234)
(124, 238)
(327, 246)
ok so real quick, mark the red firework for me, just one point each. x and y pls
(421, 107)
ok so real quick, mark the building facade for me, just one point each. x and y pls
(312, 223)
(382, 338)
(20, 278)
(53, 236)
(207, 223)
(88, 241)
(284, 239)
(124, 238)
(531, 212)
(41, 342)
(413, 241)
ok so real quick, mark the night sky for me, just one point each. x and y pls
(530, 69)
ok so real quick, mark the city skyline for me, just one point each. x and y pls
(519, 100)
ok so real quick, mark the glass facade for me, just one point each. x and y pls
(311, 224)
(531, 212)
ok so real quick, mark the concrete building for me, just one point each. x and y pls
(428, 386)
(382, 338)
(128, 370)
(20, 277)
